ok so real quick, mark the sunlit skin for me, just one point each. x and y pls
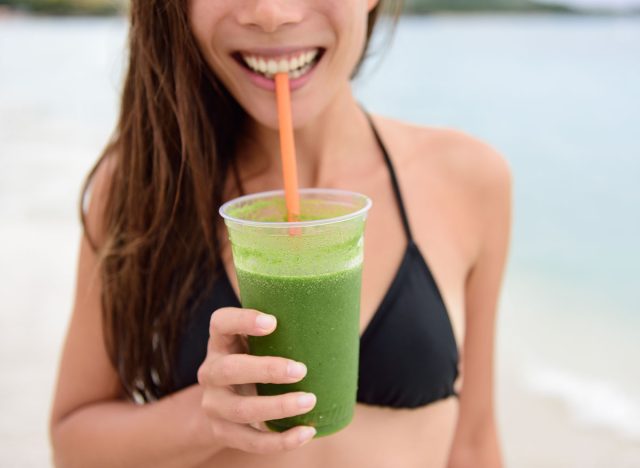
(457, 192)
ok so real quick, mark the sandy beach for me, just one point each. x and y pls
(568, 384)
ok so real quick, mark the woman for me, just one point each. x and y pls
(156, 317)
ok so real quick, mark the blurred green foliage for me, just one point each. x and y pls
(68, 7)
(432, 6)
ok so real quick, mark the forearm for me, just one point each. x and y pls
(481, 450)
(164, 434)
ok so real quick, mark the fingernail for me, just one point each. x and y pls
(306, 433)
(306, 400)
(296, 369)
(266, 322)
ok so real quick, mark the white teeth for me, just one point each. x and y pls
(298, 73)
(295, 66)
(251, 61)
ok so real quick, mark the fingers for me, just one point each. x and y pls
(227, 370)
(252, 409)
(230, 321)
(236, 369)
(252, 440)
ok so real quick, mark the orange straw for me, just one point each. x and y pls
(287, 147)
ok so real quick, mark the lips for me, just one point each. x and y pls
(263, 64)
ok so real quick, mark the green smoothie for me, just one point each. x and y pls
(317, 325)
(308, 275)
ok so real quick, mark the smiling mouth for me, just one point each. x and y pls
(296, 64)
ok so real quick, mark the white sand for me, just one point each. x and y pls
(561, 399)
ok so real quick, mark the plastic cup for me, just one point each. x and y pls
(307, 274)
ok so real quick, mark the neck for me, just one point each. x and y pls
(334, 143)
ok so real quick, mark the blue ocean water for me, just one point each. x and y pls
(559, 97)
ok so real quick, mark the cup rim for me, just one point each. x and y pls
(296, 224)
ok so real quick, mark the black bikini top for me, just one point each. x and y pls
(408, 353)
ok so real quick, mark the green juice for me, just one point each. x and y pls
(318, 323)
(307, 274)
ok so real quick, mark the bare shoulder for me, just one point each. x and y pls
(464, 161)
(455, 178)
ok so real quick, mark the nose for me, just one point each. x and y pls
(270, 15)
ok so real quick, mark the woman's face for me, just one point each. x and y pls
(318, 42)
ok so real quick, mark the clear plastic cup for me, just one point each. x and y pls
(307, 274)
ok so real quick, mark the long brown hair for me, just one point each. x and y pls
(172, 149)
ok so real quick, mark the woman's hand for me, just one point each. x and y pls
(228, 376)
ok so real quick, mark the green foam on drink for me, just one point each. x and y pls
(274, 210)
(273, 250)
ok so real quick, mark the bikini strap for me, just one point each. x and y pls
(394, 179)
